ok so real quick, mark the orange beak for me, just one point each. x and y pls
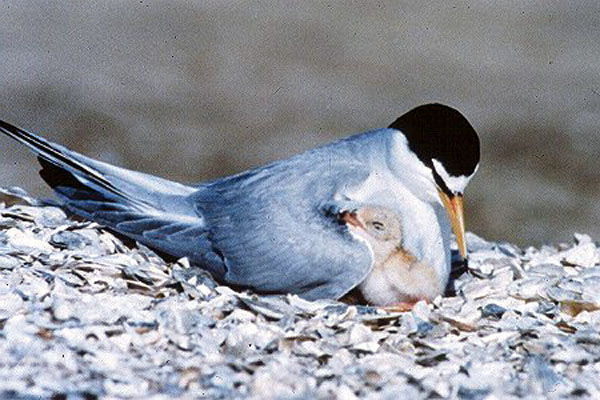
(454, 208)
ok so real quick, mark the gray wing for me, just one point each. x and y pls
(270, 228)
(263, 229)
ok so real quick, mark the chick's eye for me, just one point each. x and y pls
(378, 225)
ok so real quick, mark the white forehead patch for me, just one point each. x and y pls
(456, 184)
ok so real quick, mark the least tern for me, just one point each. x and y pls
(281, 228)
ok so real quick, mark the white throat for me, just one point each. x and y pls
(456, 184)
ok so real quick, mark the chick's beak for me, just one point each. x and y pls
(454, 208)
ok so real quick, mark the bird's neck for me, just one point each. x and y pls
(408, 169)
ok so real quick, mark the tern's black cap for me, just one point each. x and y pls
(436, 131)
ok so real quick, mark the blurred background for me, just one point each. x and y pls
(193, 90)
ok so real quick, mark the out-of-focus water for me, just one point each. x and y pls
(194, 90)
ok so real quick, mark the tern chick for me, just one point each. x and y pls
(397, 277)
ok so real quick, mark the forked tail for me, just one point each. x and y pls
(152, 210)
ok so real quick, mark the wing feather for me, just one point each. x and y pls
(275, 238)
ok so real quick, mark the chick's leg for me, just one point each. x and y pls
(403, 306)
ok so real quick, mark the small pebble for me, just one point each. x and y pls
(492, 311)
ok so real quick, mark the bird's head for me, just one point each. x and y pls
(435, 152)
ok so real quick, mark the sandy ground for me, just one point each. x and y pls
(194, 90)
(84, 315)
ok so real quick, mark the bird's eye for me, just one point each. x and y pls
(378, 225)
